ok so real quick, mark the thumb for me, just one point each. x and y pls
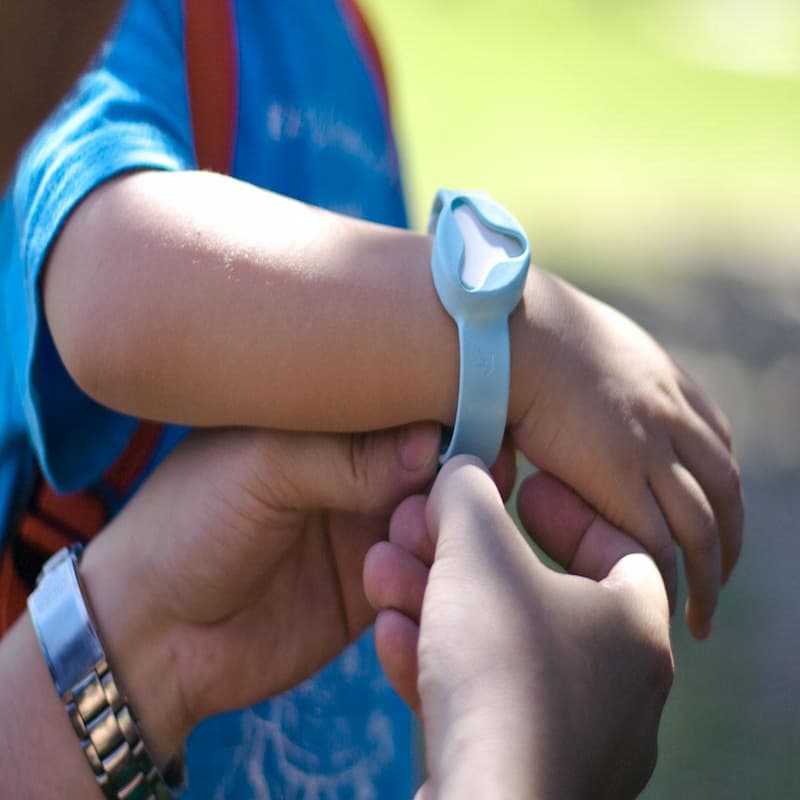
(578, 538)
(368, 473)
(466, 516)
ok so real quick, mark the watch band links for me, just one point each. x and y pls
(104, 722)
(110, 739)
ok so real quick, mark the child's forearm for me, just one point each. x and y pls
(195, 298)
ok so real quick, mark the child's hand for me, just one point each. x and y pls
(596, 402)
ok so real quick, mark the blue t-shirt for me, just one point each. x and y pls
(312, 126)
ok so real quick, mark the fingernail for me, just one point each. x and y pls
(418, 446)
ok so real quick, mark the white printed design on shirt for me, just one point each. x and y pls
(348, 756)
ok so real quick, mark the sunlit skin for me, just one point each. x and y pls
(341, 316)
(195, 298)
(243, 544)
(248, 543)
(529, 683)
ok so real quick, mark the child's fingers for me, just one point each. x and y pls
(694, 526)
(707, 458)
(705, 408)
(396, 641)
(394, 578)
(409, 530)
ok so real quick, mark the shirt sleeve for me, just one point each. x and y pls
(130, 111)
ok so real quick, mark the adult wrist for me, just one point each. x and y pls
(139, 641)
(479, 760)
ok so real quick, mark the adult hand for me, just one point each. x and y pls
(531, 683)
(236, 569)
(234, 573)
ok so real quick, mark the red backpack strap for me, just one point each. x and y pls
(54, 520)
(212, 75)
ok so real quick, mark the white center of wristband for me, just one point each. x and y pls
(485, 247)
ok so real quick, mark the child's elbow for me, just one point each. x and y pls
(95, 310)
(88, 338)
(85, 353)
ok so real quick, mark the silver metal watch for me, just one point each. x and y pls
(105, 725)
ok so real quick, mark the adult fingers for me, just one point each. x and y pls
(504, 469)
(394, 578)
(366, 473)
(636, 574)
(715, 469)
(607, 555)
(569, 530)
(396, 641)
(574, 535)
(554, 515)
(578, 538)
(465, 508)
(694, 526)
(408, 529)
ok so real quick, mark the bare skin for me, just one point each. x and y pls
(244, 543)
(195, 298)
(529, 683)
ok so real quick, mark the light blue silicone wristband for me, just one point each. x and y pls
(481, 314)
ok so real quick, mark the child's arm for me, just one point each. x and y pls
(194, 298)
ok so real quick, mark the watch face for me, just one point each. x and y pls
(480, 255)
(484, 247)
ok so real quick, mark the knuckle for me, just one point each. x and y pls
(726, 431)
(731, 480)
(359, 468)
(705, 539)
(664, 555)
(666, 403)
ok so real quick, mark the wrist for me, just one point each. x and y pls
(139, 642)
(533, 328)
(437, 387)
(479, 262)
(480, 758)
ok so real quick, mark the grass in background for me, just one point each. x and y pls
(621, 133)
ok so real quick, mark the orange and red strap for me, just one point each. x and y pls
(53, 520)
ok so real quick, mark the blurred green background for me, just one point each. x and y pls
(652, 149)
(622, 131)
